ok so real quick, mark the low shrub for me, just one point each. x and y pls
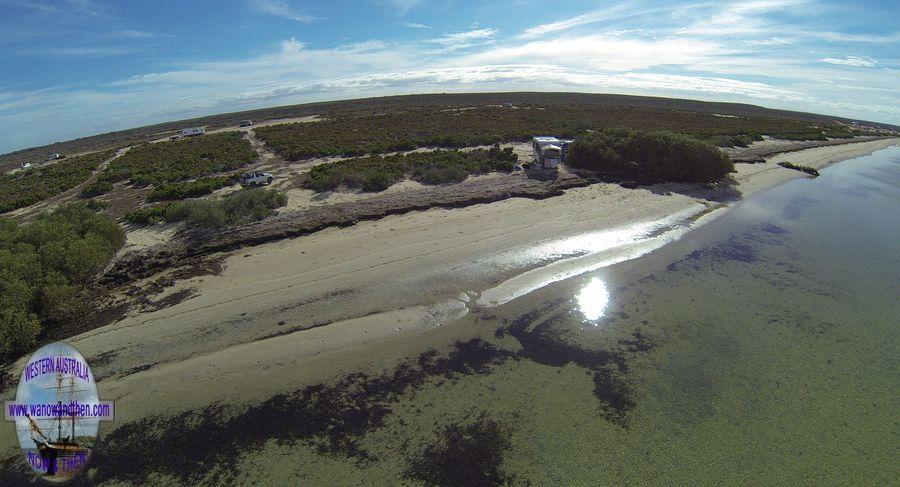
(376, 173)
(96, 205)
(96, 188)
(663, 156)
(191, 189)
(146, 216)
(234, 209)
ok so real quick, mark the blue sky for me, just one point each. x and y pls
(72, 68)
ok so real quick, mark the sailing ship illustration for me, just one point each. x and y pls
(62, 450)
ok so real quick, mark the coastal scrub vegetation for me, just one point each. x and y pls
(96, 188)
(31, 186)
(376, 173)
(799, 167)
(658, 155)
(448, 128)
(192, 189)
(45, 268)
(234, 209)
(180, 160)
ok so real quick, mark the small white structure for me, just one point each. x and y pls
(192, 131)
(549, 151)
(246, 123)
(26, 165)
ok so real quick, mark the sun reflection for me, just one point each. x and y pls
(593, 298)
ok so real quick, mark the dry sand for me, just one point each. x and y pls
(365, 293)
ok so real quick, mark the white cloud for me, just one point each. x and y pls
(866, 38)
(600, 52)
(415, 25)
(279, 8)
(772, 41)
(851, 61)
(739, 18)
(463, 40)
(584, 19)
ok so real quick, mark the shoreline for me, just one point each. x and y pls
(364, 292)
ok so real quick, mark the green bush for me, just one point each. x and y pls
(96, 189)
(657, 155)
(45, 267)
(234, 209)
(191, 189)
(375, 173)
(146, 216)
(31, 186)
(180, 160)
(96, 205)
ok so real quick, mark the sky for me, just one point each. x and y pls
(71, 68)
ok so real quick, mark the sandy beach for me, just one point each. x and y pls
(284, 313)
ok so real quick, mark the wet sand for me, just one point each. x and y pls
(375, 291)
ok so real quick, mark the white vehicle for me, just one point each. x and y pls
(549, 152)
(192, 131)
(256, 178)
(246, 123)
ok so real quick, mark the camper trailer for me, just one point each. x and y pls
(549, 152)
(192, 131)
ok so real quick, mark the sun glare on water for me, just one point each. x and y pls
(592, 299)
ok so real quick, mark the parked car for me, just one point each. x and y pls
(256, 178)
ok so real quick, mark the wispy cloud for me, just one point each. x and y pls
(87, 8)
(134, 34)
(851, 61)
(279, 8)
(740, 18)
(463, 40)
(772, 41)
(401, 7)
(866, 38)
(415, 25)
(584, 19)
(600, 51)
